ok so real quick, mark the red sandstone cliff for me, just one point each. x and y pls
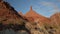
(8, 14)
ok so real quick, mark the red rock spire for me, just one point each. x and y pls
(30, 8)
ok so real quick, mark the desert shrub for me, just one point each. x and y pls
(10, 25)
(50, 28)
(1, 26)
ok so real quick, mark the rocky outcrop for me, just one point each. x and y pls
(10, 19)
(8, 14)
(55, 18)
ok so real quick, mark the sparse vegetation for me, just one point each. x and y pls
(16, 23)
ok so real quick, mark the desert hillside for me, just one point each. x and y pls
(14, 22)
(8, 13)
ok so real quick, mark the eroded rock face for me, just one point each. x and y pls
(56, 18)
(9, 14)
(10, 20)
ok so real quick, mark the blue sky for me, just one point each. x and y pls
(43, 7)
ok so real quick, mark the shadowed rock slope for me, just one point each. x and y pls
(10, 19)
(8, 14)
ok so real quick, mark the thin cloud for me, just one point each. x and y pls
(46, 3)
(55, 7)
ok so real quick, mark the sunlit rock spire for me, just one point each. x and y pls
(31, 8)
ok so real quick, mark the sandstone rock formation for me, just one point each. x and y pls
(30, 23)
(8, 14)
(56, 18)
(10, 19)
